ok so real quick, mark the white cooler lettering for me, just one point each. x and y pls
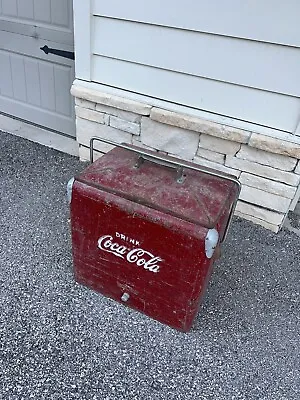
(138, 256)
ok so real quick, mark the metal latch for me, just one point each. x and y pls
(125, 297)
(211, 241)
(69, 189)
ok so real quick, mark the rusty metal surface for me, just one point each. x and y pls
(139, 234)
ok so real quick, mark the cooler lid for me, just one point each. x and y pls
(200, 199)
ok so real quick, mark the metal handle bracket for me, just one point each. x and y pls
(180, 178)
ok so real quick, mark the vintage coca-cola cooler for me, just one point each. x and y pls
(146, 230)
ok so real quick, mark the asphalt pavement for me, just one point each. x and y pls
(60, 340)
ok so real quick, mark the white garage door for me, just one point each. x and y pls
(35, 86)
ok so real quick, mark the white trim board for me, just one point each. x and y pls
(297, 130)
(82, 36)
(39, 135)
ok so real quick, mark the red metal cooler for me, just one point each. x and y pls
(146, 230)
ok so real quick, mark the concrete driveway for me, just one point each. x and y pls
(59, 340)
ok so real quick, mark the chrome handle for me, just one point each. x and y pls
(179, 169)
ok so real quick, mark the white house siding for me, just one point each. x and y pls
(226, 58)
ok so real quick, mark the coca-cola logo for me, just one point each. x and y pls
(138, 256)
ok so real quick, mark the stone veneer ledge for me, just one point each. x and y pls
(110, 100)
(199, 125)
(274, 145)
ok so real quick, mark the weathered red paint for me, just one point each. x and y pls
(117, 209)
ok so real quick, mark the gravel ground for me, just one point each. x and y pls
(59, 340)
